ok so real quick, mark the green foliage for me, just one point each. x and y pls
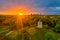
(49, 20)
(50, 35)
(4, 30)
(15, 35)
(26, 35)
(31, 21)
(46, 26)
(57, 27)
(38, 35)
(18, 35)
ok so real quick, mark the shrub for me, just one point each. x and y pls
(50, 35)
(57, 28)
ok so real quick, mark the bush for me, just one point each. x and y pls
(46, 26)
(57, 28)
(15, 35)
(26, 35)
(50, 35)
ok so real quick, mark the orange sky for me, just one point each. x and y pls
(15, 10)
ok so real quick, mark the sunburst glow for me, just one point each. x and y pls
(20, 13)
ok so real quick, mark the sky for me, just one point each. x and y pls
(45, 7)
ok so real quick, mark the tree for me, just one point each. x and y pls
(57, 28)
(50, 35)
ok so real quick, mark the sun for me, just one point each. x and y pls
(20, 13)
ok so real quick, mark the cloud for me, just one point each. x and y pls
(58, 8)
(46, 6)
(52, 10)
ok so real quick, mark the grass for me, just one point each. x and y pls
(31, 33)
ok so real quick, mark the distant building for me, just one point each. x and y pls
(39, 24)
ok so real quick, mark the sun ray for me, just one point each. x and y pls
(20, 13)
